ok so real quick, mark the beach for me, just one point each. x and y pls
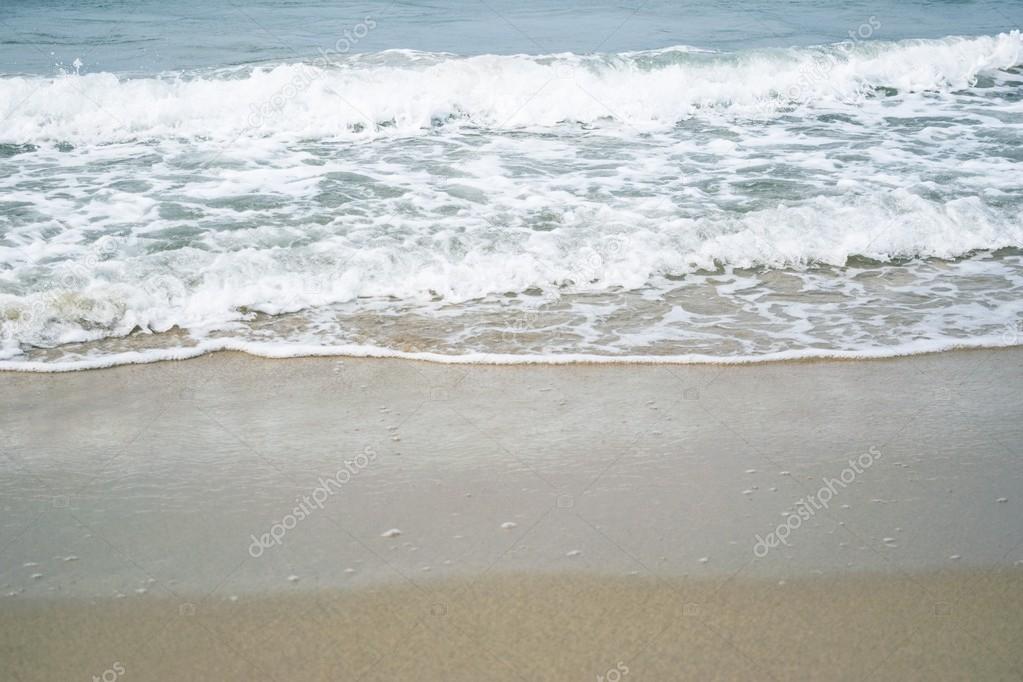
(569, 627)
(231, 517)
(511, 340)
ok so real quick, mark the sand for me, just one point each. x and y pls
(235, 518)
(568, 627)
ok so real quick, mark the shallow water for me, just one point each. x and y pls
(501, 182)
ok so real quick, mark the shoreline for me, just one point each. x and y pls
(300, 352)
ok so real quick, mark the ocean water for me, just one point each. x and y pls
(509, 181)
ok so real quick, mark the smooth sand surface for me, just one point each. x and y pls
(552, 522)
(567, 627)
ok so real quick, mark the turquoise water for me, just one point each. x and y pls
(506, 182)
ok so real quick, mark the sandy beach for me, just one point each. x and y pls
(236, 518)
(511, 340)
(530, 627)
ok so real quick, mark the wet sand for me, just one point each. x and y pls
(235, 518)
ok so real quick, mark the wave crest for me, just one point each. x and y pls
(406, 92)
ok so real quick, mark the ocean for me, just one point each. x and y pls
(509, 181)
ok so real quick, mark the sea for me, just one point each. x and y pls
(508, 181)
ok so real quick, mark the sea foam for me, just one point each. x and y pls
(679, 203)
(403, 92)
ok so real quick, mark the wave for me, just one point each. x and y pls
(105, 292)
(281, 351)
(300, 208)
(402, 92)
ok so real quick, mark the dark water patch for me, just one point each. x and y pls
(9, 150)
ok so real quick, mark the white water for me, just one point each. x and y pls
(596, 192)
(408, 92)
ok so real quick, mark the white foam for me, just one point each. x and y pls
(591, 201)
(410, 92)
(120, 292)
(286, 351)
